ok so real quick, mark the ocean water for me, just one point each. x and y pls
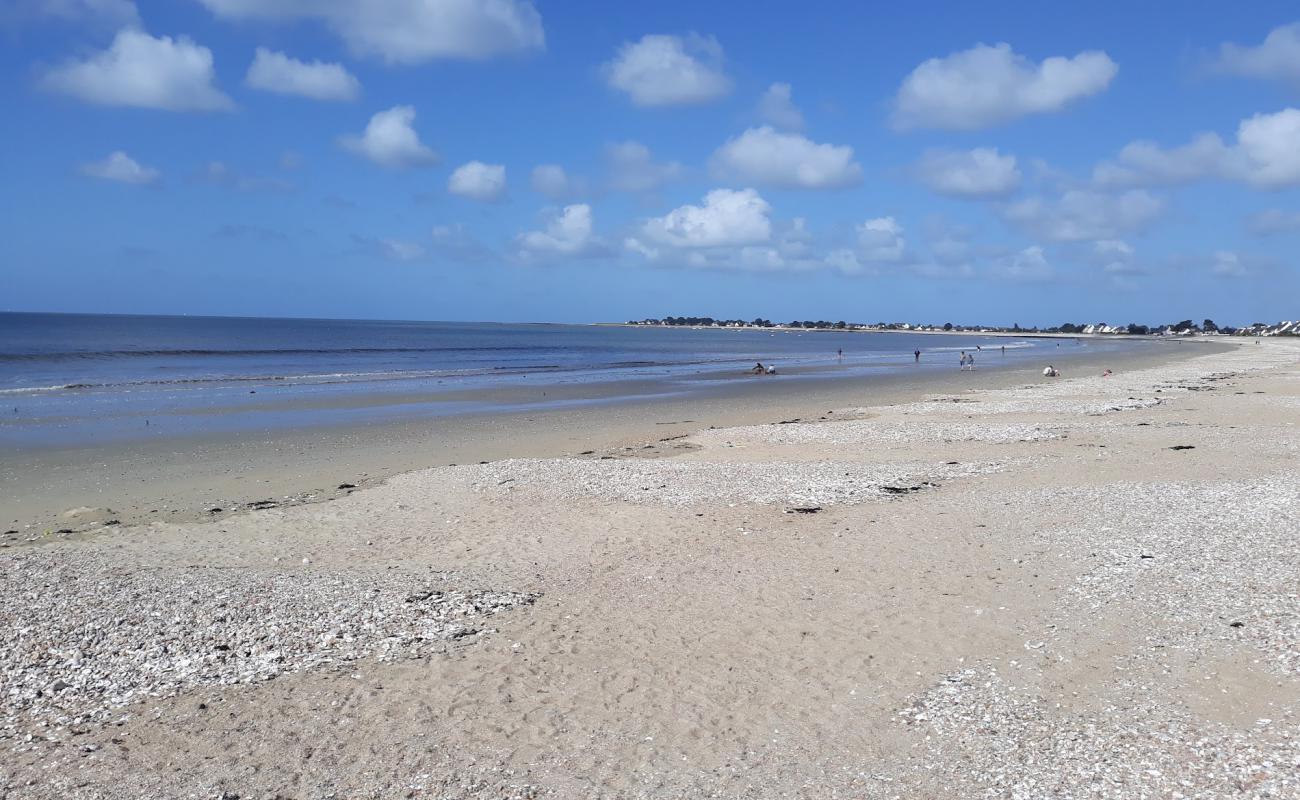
(71, 378)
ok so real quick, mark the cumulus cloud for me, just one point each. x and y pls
(141, 71)
(788, 248)
(776, 107)
(726, 218)
(1114, 256)
(120, 167)
(554, 182)
(767, 157)
(631, 168)
(1273, 221)
(986, 86)
(1029, 264)
(1276, 58)
(276, 72)
(569, 233)
(982, 172)
(478, 181)
(1266, 155)
(390, 140)
(664, 70)
(408, 31)
(1085, 215)
(881, 239)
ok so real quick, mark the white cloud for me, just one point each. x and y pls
(569, 233)
(117, 13)
(1115, 257)
(552, 181)
(120, 167)
(663, 70)
(1266, 155)
(390, 140)
(1272, 221)
(727, 218)
(140, 71)
(478, 181)
(1113, 249)
(277, 72)
(1277, 58)
(1147, 163)
(408, 31)
(1228, 265)
(1270, 146)
(986, 86)
(776, 107)
(768, 157)
(399, 250)
(1085, 215)
(789, 250)
(391, 249)
(1029, 264)
(631, 168)
(881, 239)
(844, 260)
(982, 172)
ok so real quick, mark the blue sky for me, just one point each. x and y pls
(585, 161)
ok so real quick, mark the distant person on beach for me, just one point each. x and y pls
(1106, 374)
(771, 369)
(962, 360)
(840, 354)
(917, 354)
(1050, 371)
(1004, 349)
(758, 369)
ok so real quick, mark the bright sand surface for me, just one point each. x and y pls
(997, 586)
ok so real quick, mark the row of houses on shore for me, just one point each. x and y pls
(1183, 328)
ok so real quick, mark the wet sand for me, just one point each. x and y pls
(183, 478)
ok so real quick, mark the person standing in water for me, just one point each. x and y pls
(917, 355)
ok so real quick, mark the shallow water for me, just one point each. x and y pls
(69, 378)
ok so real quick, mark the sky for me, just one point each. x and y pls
(582, 161)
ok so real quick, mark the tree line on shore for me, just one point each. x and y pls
(1183, 327)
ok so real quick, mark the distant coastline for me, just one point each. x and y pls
(1183, 328)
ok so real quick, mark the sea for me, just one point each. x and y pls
(74, 379)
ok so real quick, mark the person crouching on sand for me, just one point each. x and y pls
(1050, 371)
(758, 369)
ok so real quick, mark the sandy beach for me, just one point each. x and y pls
(996, 586)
